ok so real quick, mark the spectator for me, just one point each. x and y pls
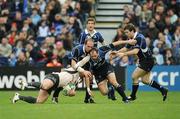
(2, 31)
(152, 31)
(169, 59)
(54, 62)
(169, 27)
(13, 35)
(124, 61)
(5, 48)
(5, 52)
(18, 20)
(173, 16)
(17, 5)
(158, 57)
(58, 24)
(43, 30)
(35, 17)
(164, 39)
(22, 60)
(119, 36)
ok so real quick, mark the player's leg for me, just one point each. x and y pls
(111, 92)
(45, 90)
(24, 84)
(88, 98)
(102, 86)
(28, 99)
(56, 95)
(42, 96)
(138, 72)
(154, 84)
(112, 79)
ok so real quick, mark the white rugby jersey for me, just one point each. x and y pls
(67, 76)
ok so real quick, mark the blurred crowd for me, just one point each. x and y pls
(159, 22)
(43, 32)
(40, 32)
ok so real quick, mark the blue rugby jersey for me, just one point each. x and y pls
(96, 36)
(101, 61)
(144, 52)
(78, 53)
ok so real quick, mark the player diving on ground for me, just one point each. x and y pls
(65, 79)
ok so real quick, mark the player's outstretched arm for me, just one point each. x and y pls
(83, 61)
(131, 42)
(128, 53)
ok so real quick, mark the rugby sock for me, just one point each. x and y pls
(57, 91)
(35, 84)
(135, 87)
(28, 99)
(111, 91)
(120, 90)
(87, 94)
(154, 84)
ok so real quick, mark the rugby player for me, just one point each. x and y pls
(145, 64)
(103, 70)
(90, 32)
(55, 80)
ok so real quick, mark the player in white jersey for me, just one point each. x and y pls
(65, 79)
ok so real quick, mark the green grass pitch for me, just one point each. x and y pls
(149, 105)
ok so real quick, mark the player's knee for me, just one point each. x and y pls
(104, 92)
(147, 82)
(38, 101)
(45, 86)
(134, 77)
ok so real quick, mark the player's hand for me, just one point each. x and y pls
(121, 54)
(113, 54)
(87, 74)
(132, 42)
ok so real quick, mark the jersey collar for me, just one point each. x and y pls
(94, 32)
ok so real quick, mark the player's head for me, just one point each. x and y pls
(94, 53)
(90, 24)
(89, 43)
(71, 93)
(129, 30)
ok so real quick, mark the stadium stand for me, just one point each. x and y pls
(33, 32)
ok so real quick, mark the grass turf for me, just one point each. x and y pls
(149, 105)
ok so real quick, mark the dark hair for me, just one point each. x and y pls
(91, 19)
(94, 49)
(88, 39)
(130, 27)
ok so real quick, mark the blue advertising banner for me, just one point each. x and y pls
(167, 76)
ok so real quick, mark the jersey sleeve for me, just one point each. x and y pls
(101, 39)
(104, 49)
(75, 54)
(82, 38)
(141, 43)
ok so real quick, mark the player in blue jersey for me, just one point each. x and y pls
(77, 54)
(146, 62)
(103, 70)
(90, 32)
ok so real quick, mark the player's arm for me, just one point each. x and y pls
(124, 49)
(114, 54)
(103, 43)
(128, 53)
(131, 42)
(78, 66)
